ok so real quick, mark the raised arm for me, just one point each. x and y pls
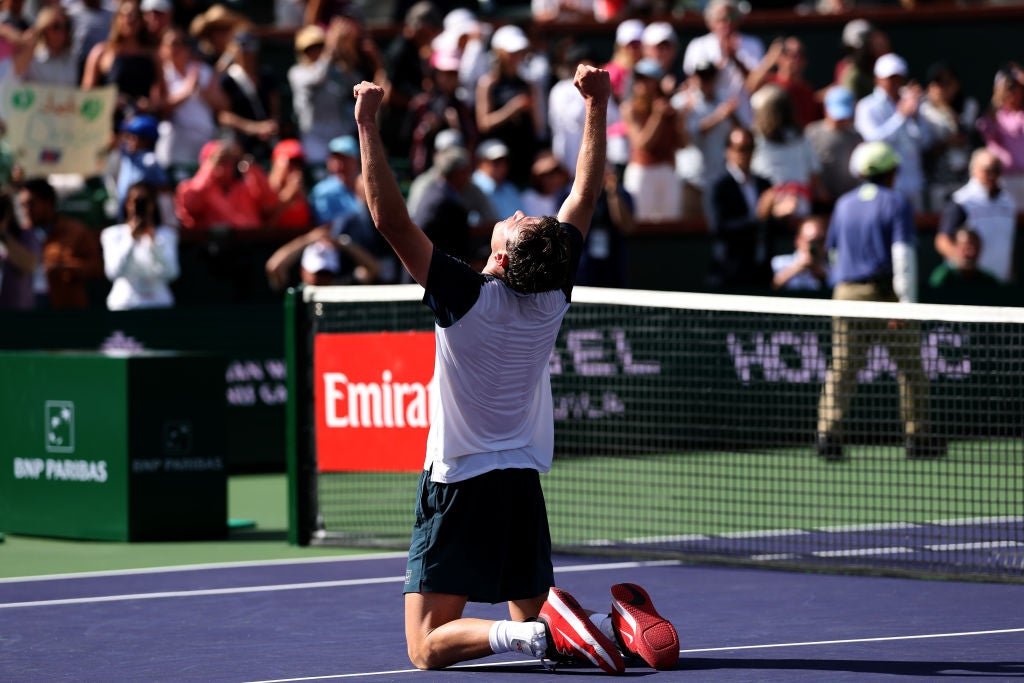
(387, 207)
(578, 208)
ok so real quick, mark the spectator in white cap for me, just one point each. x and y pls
(324, 259)
(708, 121)
(833, 140)
(338, 260)
(508, 107)
(891, 114)
(735, 54)
(491, 176)
(661, 44)
(546, 11)
(862, 44)
(566, 111)
(158, 16)
(437, 109)
(628, 51)
(469, 37)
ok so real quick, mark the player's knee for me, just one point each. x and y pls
(423, 657)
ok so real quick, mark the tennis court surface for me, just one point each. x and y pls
(336, 619)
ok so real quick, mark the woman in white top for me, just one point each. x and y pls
(140, 256)
(781, 152)
(45, 56)
(194, 98)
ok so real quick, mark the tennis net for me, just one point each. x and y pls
(687, 425)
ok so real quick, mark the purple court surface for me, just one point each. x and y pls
(337, 619)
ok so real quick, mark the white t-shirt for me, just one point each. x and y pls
(491, 405)
(791, 161)
(140, 270)
(731, 81)
(995, 220)
(191, 125)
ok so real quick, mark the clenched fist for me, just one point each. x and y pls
(368, 98)
(593, 83)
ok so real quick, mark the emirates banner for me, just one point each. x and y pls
(372, 400)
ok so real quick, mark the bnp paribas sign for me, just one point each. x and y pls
(79, 430)
(59, 440)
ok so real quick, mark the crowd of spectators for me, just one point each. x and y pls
(479, 121)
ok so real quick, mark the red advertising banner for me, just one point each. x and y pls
(371, 396)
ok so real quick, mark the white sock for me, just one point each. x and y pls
(604, 623)
(503, 633)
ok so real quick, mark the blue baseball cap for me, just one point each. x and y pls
(649, 68)
(344, 144)
(839, 103)
(143, 125)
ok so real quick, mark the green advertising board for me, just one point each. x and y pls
(123, 447)
(248, 336)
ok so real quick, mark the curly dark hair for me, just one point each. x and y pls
(538, 258)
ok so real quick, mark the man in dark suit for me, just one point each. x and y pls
(743, 212)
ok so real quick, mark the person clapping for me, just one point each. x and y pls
(140, 256)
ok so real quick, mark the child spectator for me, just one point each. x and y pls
(962, 271)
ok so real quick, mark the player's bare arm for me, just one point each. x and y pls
(595, 87)
(383, 197)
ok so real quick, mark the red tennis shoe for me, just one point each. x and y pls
(640, 629)
(572, 634)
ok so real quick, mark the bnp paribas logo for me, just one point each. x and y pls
(60, 427)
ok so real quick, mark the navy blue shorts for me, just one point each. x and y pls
(486, 538)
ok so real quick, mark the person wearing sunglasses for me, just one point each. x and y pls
(46, 56)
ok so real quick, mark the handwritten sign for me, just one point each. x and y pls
(57, 129)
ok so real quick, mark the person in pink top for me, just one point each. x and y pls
(227, 191)
(628, 51)
(1003, 128)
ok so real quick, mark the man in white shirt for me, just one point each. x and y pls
(989, 210)
(891, 114)
(735, 54)
(481, 532)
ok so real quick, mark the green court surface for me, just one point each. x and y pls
(597, 498)
(716, 493)
(259, 498)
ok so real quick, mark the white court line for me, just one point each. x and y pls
(300, 586)
(857, 640)
(209, 591)
(977, 545)
(769, 533)
(862, 552)
(201, 567)
(880, 526)
(684, 652)
(967, 521)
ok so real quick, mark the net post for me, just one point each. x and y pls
(298, 430)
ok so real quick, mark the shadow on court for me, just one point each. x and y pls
(887, 667)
